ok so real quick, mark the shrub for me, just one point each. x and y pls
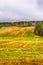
(39, 29)
(28, 33)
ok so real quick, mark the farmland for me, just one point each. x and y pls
(20, 46)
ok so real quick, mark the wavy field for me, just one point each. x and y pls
(20, 46)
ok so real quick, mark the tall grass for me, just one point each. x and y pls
(20, 46)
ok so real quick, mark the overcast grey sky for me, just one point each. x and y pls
(21, 9)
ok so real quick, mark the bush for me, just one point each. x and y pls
(39, 29)
(28, 33)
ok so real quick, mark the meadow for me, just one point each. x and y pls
(20, 46)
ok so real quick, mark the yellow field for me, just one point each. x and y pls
(20, 46)
(14, 30)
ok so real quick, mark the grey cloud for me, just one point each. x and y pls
(21, 10)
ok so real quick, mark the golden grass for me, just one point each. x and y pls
(15, 31)
(20, 44)
(21, 61)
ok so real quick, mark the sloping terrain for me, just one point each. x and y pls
(20, 46)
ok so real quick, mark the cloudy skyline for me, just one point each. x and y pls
(21, 10)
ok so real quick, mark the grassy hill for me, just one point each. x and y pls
(19, 45)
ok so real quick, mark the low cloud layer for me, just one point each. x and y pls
(21, 9)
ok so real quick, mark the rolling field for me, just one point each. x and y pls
(20, 46)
